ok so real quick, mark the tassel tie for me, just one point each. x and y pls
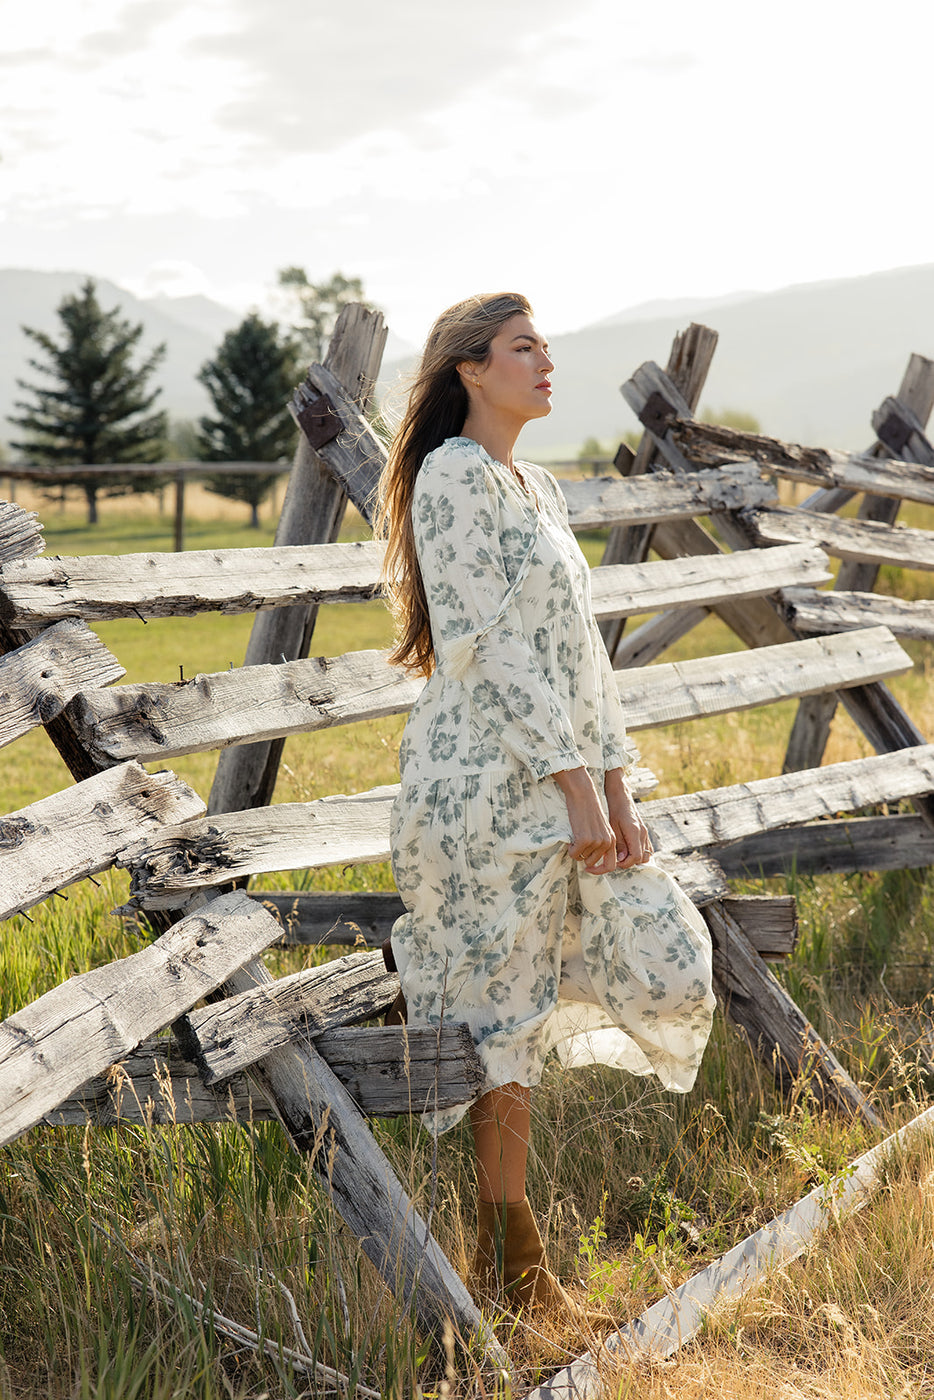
(455, 656)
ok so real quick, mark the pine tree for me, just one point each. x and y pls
(97, 408)
(250, 381)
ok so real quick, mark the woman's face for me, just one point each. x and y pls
(515, 381)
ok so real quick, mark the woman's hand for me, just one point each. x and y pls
(592, 837)
(633, 843)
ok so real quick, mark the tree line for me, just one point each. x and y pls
(96, 403)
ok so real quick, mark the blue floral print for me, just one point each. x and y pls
(503, 930)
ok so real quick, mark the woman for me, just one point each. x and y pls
(534, 912)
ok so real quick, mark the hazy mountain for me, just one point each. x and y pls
(811, 362)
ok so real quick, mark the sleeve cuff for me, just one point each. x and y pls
(626, 757)
(545, 767)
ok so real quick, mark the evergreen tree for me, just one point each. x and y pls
(97, 408)
(250, 381)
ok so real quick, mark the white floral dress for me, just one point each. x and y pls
(504, 930)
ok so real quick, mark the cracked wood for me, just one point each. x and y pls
(721, 815)
(259, 702)
(711, 445)
(331, 831)
(867, 540)
(81, 831)
(39, 679)
(76, 1030)
(388, 1071)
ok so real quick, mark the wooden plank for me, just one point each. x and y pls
(846, 539)
(754, 620)
(50, 1048)
(896, 422)
(312, 512)
(810, 732)
(241, 706)
(392, 1070)
(99, 587)
(663, 496)
(776, 1030)
(689, 362)
(833, 848)
(228, 1036)
(355, 457)
(339, 919)
(38, 680)
(815, 612)
(351, 918)
(227, 846)
(711, 444)
(769, 922)
(621, 590)
(296, 835)
(679, 1316)
(80, 831)
(652, 638)
(389, 1071)
(711, 685)
(155, 1084)
(20, 533)
(322, 1120)
(234, 707)
(718, 816)
(811, 729)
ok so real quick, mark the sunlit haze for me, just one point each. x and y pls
(595, 155)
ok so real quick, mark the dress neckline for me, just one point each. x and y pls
(512, 474)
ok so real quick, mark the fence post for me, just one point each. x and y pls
(179, 511)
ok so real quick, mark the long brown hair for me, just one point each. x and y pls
(436, 410)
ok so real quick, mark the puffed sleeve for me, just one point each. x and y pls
(475, 621)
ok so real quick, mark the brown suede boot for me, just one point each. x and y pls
(510, 1260)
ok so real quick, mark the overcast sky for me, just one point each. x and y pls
(592, 153)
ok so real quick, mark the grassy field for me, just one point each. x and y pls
(111, 1241)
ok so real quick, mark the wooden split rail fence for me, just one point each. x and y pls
(245, 1045)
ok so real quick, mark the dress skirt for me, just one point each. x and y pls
(506, 932)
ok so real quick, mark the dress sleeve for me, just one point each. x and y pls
(618, 750)
(475, 621)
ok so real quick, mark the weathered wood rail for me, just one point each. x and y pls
(161, 721)
(296, 1049)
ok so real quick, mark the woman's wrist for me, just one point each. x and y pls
(571, 780)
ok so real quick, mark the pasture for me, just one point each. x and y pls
(123, 1250)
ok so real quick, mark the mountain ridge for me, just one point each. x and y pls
(810, 361)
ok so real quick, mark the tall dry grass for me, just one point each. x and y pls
(121, 1248)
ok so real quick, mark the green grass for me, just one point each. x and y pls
(653, 1184)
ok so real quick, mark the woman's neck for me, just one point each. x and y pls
(495, 437)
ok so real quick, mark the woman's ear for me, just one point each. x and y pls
(469, 373)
